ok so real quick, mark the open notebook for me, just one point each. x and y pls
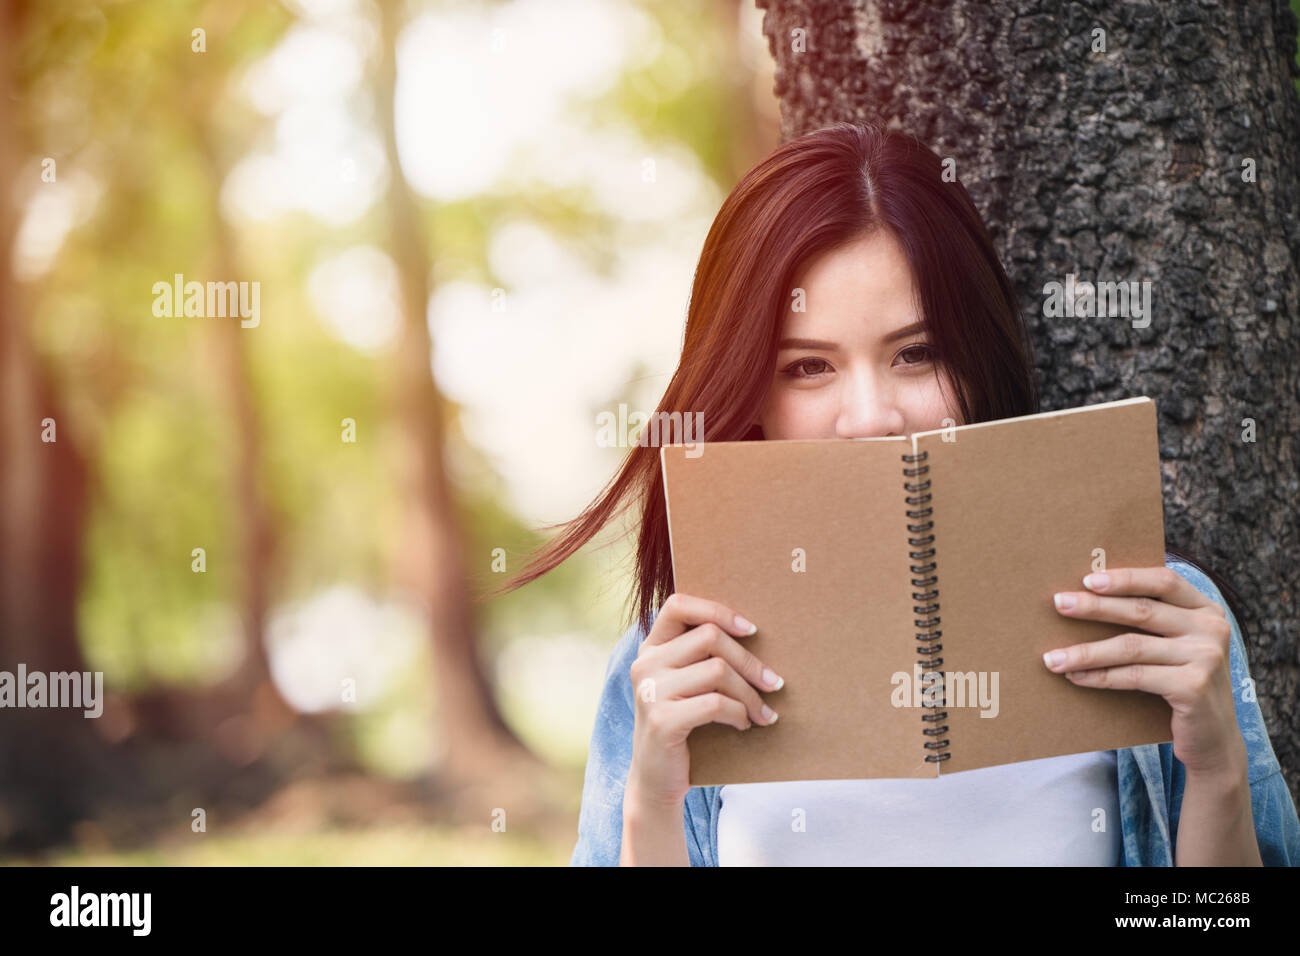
(885, 574)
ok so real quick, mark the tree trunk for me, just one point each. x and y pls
(240, 717)
(51, 759)
(256, 539)
(478, 742)
(1122, 164)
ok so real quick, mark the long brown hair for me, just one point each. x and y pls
(808, 196)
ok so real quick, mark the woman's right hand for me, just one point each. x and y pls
(690, 670)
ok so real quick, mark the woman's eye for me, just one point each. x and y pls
(927, 354)
(800, 369)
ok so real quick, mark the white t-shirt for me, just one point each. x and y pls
(1033, 813)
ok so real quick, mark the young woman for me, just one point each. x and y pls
(908, 323)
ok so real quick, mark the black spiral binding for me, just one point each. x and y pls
(925, 624)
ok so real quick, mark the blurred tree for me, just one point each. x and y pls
(479, 743)
(45, 755)
(218, 148)
(56, 767)
(43, 482)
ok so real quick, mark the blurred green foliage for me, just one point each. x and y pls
(115, 95)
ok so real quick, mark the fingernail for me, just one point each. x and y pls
(771, 680)
(1064, 601)
(1054, 659)
(746, 626)
(769, 714)
(1096, 582)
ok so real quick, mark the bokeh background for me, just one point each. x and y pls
(473, 228)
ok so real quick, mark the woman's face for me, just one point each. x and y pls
(856, 363)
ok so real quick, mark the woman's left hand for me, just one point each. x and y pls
(1185, 661)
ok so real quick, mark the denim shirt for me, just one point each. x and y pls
(1150, 777)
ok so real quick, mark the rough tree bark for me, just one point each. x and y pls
(1128, 165)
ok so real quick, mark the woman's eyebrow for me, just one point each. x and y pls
(905, 330)
(807, 344)
(822, 345)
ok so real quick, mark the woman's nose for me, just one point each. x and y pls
(868, 410)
